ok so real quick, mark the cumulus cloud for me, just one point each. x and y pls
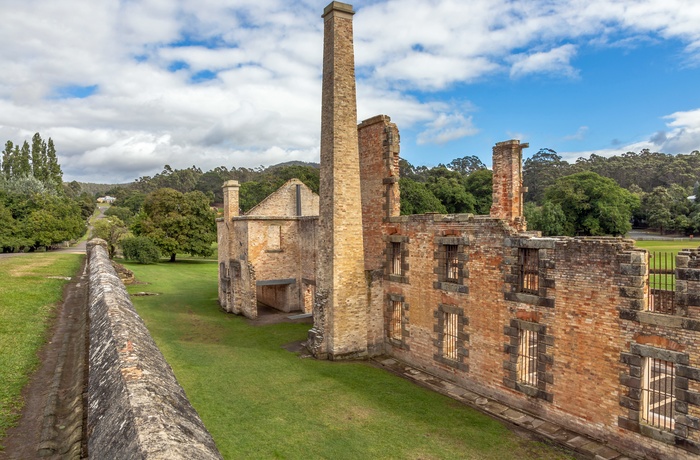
(447, 127)
(557, 61)
(126, 87)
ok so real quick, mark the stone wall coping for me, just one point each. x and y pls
(136, 408)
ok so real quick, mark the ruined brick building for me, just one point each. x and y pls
(563, 328)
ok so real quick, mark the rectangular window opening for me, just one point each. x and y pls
(396, 323)
(529, 266)
(451, 262)
(662, 283)
(658, 393)
(527, 357)
(395, 268)
(449, 336)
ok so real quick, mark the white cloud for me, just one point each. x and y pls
(263, 103)
(447, 127)
(579, 135)
(554, 61)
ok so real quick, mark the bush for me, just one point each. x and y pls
(141, 249)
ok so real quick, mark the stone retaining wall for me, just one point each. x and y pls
(136, 408)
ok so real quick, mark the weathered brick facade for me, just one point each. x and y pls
(558, 327)
(268, 254)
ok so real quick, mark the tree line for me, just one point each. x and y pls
(37, 210)
(593, 196)
(645, 189)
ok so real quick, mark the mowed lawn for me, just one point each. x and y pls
(667, 245)
(30, 287)
(260, 401)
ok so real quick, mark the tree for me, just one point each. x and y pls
(592, 204)
(122, 213)
(7, 160)
(39, 158)
(417, 199)
(548, 218)
(466, 165)
(480, 185)
(22, 166)
(178, 222)
(658, 206)
(54, 174)
(141, 249)
(452, 195)
(53, 220)
(111, 229)
(540, 171)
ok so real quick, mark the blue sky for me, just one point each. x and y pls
(125, 87)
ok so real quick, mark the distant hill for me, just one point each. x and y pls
(98, 189)
(293, 163)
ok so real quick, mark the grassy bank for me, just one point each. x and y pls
(260, 401)
(28, 296)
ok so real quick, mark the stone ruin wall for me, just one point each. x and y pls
(136, 408)
(590, 291)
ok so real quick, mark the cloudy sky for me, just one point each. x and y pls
(126, 86)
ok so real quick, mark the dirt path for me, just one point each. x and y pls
(52, 421)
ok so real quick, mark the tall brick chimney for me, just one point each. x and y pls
(508, 183)
(340, 313)
(230, 188)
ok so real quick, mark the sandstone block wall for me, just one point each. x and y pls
(136, 408)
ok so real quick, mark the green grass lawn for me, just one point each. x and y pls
(260, 401)
(667, 246)
(27, 300)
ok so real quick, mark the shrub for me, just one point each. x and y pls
(141, 249)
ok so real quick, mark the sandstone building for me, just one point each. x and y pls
(564, 328)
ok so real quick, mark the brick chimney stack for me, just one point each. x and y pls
(340, 313)
(508, 183)
(231, 188)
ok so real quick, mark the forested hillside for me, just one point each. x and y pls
(593, 196)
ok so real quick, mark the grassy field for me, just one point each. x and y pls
(27, 299)
(667, 246)
(260, 401)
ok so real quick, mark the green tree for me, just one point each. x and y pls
(480, 184)
(22, 167)
(123, 213)
(54, 174)
(466, 165)
(452, 195)
(178, 222)
(111, 229)
(141, 249)
(7, 160)
(53, 220)
(548, 218)
(417, 199)
(593, 205)
(39, 158)
(542, 170)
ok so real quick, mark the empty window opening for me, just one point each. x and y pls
(527, 357)
(529, 275)
(658, 393)
(662, 282)
(450, 335)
